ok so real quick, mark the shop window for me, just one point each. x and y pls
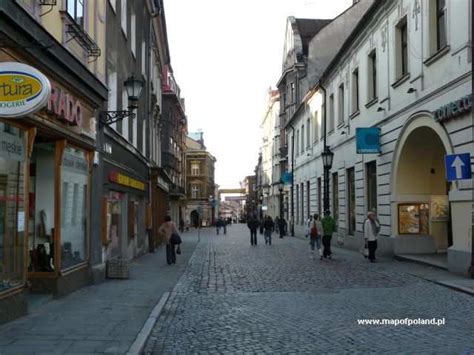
(335, 196)
(413, 218)
(42, 207)
(132, 219)
(351, 200)
(371, 185)
(12, 208)
(75, 9)
(74, 201)
(115, 206)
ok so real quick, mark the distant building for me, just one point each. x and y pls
(200, 182)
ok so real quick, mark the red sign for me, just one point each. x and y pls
(65, 106)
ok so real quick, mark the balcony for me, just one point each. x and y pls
(177, 191)
(168, 160)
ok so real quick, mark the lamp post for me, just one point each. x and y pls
(213, 209)
(328, 157)
(134, 88)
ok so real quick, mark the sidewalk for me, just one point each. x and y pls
(102, 318)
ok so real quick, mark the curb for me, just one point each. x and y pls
(140, 341)
(455, 287)
(419, 262)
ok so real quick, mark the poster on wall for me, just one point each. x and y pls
(439, 208)
(413, 218)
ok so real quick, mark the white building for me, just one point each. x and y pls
(406, 69)
(270, 127)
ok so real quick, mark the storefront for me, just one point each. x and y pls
(126, 218)
(47, 145)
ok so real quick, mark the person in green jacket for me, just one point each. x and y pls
(329, 227)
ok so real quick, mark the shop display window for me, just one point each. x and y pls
(115, 206)
(413, 218)
(74, 202)
(12, 206)
(41, 208)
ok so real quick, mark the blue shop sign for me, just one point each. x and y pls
(368, 140)
(287, 178)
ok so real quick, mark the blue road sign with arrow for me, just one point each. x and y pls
(458, 167)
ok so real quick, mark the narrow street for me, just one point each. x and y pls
(235, 298)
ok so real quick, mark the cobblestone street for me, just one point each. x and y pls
(275, 299)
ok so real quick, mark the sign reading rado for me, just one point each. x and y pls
(23, 89)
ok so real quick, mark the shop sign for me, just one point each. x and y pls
(454, 109)
(23, 89)
(65, 106)
(287, 178)
(125, 180)
(75, 163)
(12, 147)
(368, 140)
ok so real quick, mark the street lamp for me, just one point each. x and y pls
(327, 156)
(134, 88)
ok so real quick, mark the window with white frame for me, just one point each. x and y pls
(75, 9)
(123, 16)
(372, 76)
(143, 58)
(401, 38)
(133, 33)
(302, 139)
(308, 133)
(340, 109)
(293, 97)
(437, 25)
(195, 191)
(355, 90)
(331, 117)
(195, 169)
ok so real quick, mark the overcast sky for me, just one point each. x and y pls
(225, 55)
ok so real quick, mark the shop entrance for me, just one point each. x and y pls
(422, 205)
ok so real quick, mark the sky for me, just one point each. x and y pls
(225, 55)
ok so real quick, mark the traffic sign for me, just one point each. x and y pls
(458, 167)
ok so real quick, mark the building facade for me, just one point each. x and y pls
(200, 182)
(406, 71)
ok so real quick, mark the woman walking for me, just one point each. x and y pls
(316, 234)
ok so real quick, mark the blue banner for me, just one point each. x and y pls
(287, 178)
(368, 140)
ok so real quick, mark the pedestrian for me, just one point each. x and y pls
(218, 225)
(171, 237)
(268, 227)
(277, 224)
(261, 225)
(316, 234)
(329, 226)
(371, 228)
(309, 224)
(253, 226)
(282, 227)
(181, 225)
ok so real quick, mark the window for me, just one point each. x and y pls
(112, 95)
(133, 33)
(316, 126)
(75, 9)
(113, 4)
(302, 203)
(195, 169)
(308, 195)
(308, 133)
(124, 128)
(143, 58)
(441, 35)
(335, 196)
(413, 218)
(331, 113)
(340, 110)
(195, 191)
(355, 90)
(402, 48)
(134, 133)
(123, 16)
(302, 139)
(372, 76)
(292, 93)
(351, 200)
(297, 142)
(371, 181)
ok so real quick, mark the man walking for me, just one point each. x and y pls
(282, 226)
(329, 226)
(253, 226)
(371, 228)
(268, 226)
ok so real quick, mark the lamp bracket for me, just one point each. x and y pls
(107, 118)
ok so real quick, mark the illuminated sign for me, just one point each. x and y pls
(23, 89)
(126, 181)
(454, 109)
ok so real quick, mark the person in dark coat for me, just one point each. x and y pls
(281, 227)
(253, 226)
(268, 227)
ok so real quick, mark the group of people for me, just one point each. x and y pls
(223, 223)
(318, 230)
(267, 226)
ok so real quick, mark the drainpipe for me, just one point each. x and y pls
(292, 225)
(326, 170)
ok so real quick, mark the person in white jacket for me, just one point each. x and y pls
(371, 233)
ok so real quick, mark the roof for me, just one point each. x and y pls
(308, 28)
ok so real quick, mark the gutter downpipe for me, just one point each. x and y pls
(292, 223)
(325, 146)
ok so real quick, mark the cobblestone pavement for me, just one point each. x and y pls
(235, 298)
